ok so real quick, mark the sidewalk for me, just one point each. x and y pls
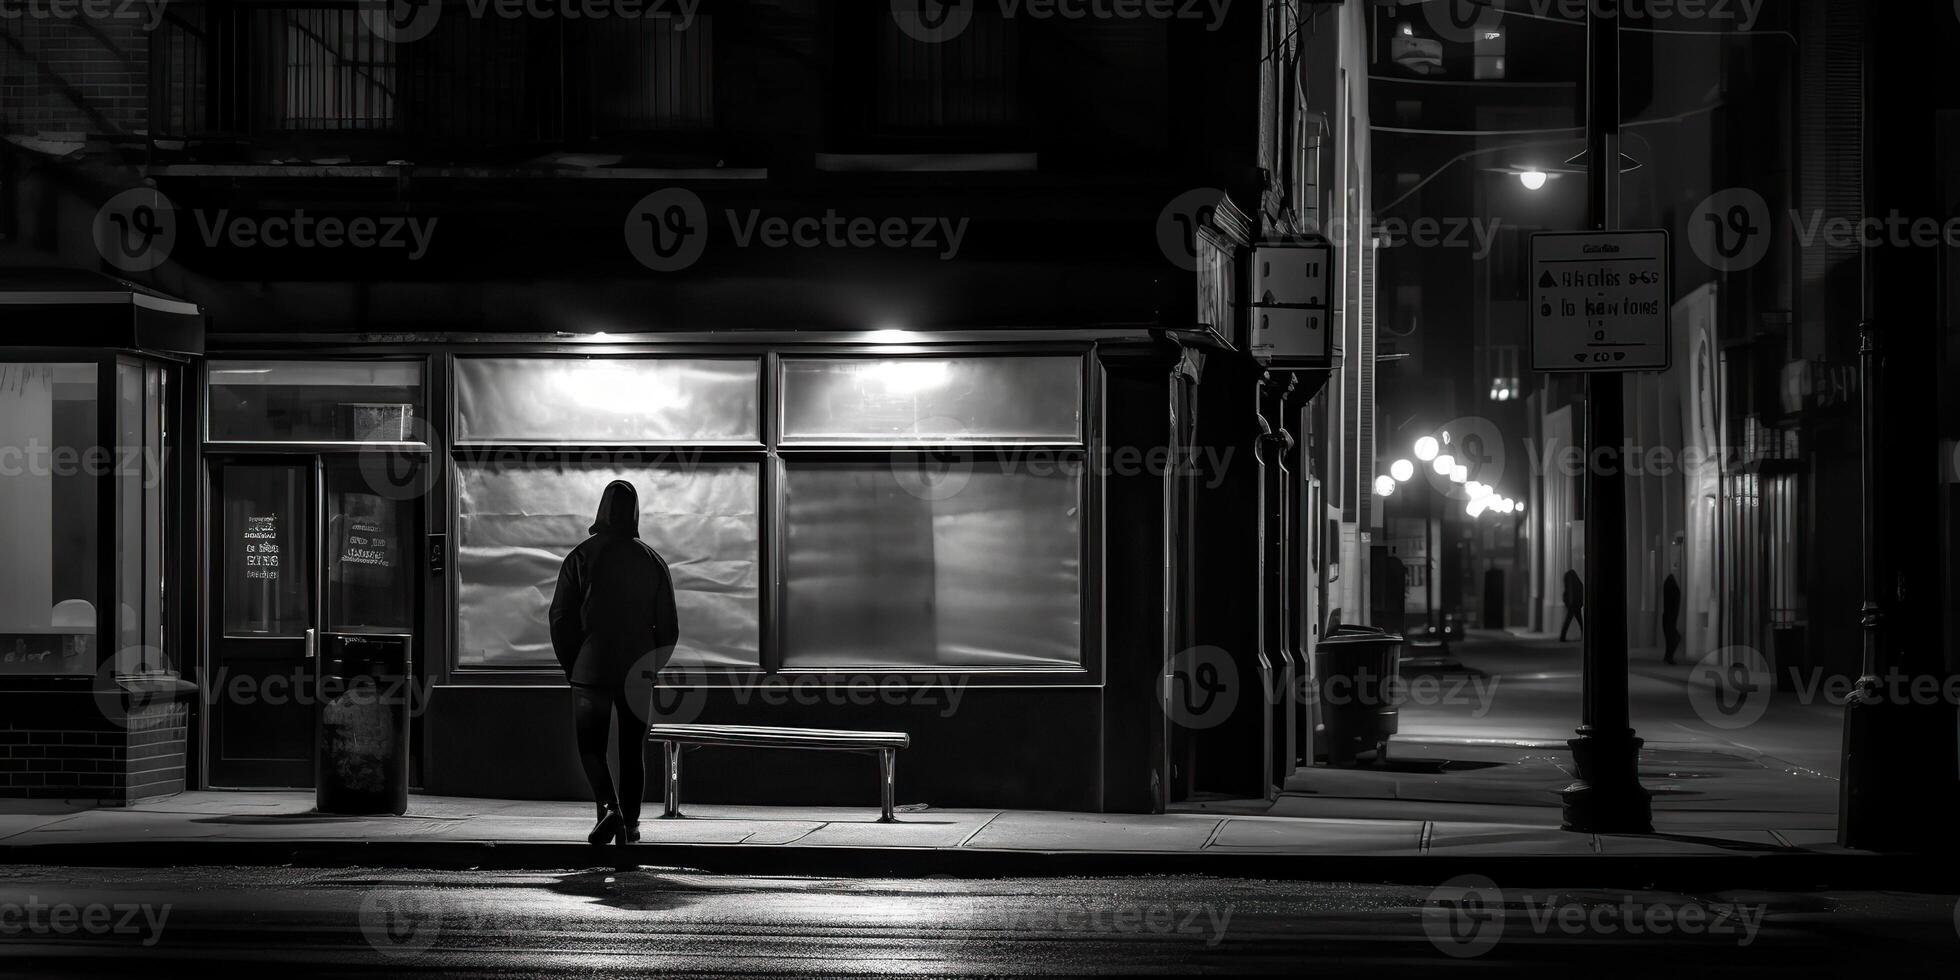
(278, 828)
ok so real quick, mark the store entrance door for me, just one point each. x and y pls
(303, 547)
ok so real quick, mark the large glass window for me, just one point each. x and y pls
(519, 521)
(923, 563)
(609, 401)
(315, 401)
(268, 579)
(50, 458)
(141, 462)
(932, 400)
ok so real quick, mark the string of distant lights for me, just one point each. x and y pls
(1479, 498)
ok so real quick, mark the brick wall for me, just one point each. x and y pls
(63, 75)
(63, 745)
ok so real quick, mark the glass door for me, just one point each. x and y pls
(266, 598)
(306, 548)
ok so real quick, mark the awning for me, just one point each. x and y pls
(76, 308)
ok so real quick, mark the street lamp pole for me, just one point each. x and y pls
(1607, 796)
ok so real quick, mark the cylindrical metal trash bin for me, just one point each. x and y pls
(1357, 680)
(361, 728)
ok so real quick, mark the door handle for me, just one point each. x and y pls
(312, 643)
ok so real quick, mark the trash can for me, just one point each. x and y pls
(1357, 681)
(361, 724)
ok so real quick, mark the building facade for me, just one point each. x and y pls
(923, 341)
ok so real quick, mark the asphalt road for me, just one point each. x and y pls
(285, 922)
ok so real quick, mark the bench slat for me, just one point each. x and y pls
(765, 737)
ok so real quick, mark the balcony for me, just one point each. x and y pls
(315, 83)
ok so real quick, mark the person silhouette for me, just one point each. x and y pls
(1575, 601)
(612, 614)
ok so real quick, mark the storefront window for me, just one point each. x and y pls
(50, 458)
(925, 564)
(315, 401)
(519, 520)
(932, 399)
(610, 401)
(140, 465)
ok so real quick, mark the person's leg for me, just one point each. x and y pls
(632, 754)
(1567, 625)
(591, 716)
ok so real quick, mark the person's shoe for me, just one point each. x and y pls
(609, 826)
(630, 833)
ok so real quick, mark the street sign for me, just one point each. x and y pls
(1288, 311)
(1599, 301)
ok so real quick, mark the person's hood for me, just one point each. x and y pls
(619, 511)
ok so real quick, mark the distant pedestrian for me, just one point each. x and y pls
(1671, 616)
(1575, 600)
(613, 614)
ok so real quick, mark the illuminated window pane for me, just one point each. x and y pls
(932, 399)
(315, 401)
(611, 401)
(926, 564)
(518, 522)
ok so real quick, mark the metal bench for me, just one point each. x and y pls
(676, 738)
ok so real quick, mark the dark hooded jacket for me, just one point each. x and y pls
(614, 608)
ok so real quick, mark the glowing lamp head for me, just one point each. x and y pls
(1402, 470)
(1532, 179)
(1427, 448)
(1384, 486)
(1444, 464)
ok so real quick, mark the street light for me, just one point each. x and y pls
(1384, 486)
(1427, 448)
(1402, 470)
(1459, 473)
(1443, 464)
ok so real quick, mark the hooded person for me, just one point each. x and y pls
(612, 615)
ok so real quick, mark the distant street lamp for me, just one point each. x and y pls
(1384, 486)
(1427, 447)
(1444, 464)
(1402, 470)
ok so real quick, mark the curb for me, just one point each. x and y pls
(1760, 870)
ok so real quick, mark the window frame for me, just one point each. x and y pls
(772, 455)
(181, 650)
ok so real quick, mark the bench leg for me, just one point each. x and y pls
(673, 780)
(888, 787)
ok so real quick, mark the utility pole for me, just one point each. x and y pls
(1607, 796)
